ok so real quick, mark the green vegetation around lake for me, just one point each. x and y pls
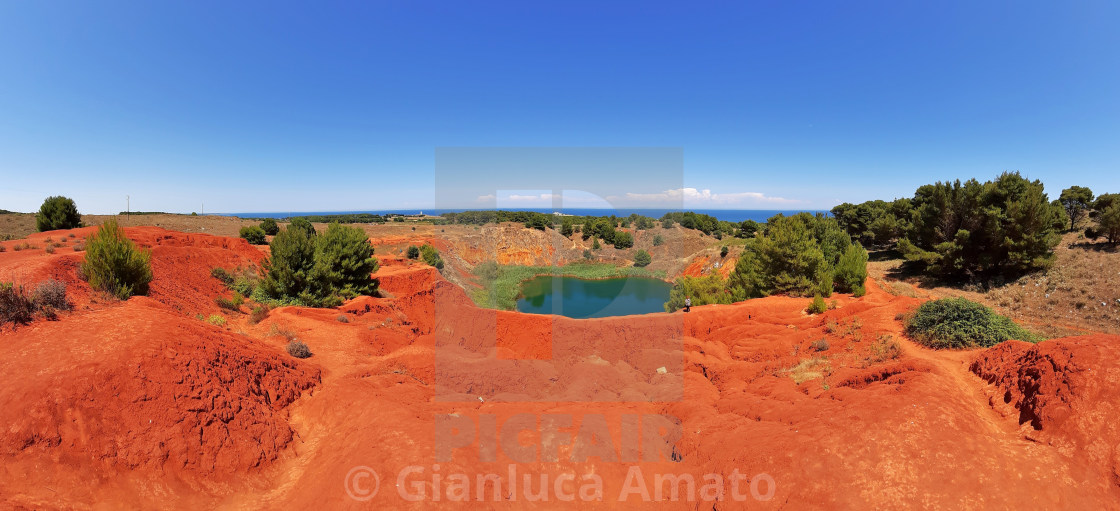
(501, 284)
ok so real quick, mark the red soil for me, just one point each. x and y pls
(139, 404)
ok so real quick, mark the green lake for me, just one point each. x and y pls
(582, 298)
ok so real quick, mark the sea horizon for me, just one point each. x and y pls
(728, 215)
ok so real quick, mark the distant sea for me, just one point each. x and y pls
(730, 215)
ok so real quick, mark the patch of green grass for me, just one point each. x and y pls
(501, 284)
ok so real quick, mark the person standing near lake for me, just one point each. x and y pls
(687, 303)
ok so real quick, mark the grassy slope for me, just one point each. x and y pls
(1079, 294)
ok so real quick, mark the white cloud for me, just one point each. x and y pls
(679, 197)
(692, 197)
(543, 197)
(519, 199)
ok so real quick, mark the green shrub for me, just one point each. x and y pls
(595, 245)
(1107, 213)
(587, 254)
(321, 270)
(245, 284)
(658, 240)
(1002, 227)
(723, 251)
(787, 259)
(702, 290)
(690, 220)
(1076, 200)
(216, 320)
(344, 262)
(825, 285)
(233, 303)
(413, 252)
(58, 213)
(874, 222)
(288, 269)
(537, 222)
(642, 258)
(114, 265)
(851, 270)
(253, 234)
(258, 314)
(817, 306)
(623, 239)
(269, 226)
(962, 323)
(222, 275)
(799, 255)
(431, 256)
(304, 225)
(748, 228)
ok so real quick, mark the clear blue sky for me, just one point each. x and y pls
(274, 106)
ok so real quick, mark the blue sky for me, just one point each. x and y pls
(276, 106)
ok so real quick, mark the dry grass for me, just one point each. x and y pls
(1080, 292)
(809, 369)
(277, 330)
(298, 349)
(17, 225)
(884, 348)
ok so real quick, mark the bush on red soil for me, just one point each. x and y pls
(962, 323)
(15, 305)
(58, 213)
(320, 270)
(113, 263)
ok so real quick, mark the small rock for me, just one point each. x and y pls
(662, 370)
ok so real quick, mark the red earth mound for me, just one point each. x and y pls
(1061, 393)
(830, 411)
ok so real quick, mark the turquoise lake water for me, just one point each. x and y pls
(581, 298)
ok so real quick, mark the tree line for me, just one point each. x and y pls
(798, 255)
(1007, 226)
